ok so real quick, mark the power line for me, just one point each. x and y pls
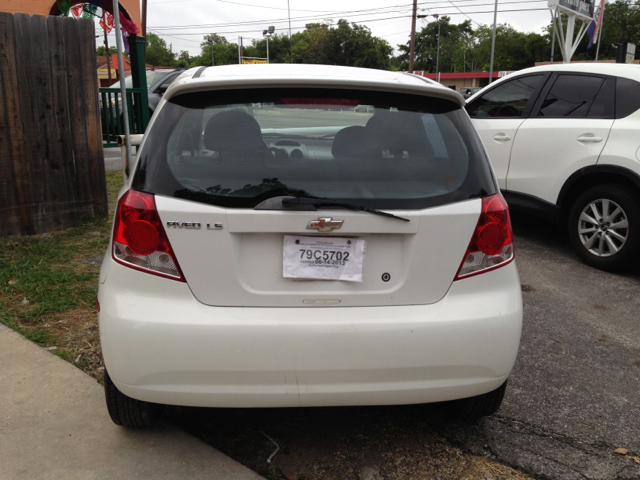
(448, 14)
(239, 3)
(381, 10)
(356, 14)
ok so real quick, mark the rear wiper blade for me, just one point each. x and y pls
(325, 202)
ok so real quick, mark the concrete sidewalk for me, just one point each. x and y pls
(112, 159)
(54, 424)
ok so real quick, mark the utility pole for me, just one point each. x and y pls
(290, 40)
(412, 52)
(106, 46)
(493, 41)
(144, 21)
(438, 50)
(553, 34)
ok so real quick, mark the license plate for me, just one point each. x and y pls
(323, 258)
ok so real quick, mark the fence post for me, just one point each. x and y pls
(139, 75)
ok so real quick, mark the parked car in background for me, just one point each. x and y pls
(112, 116)
(158, 81)
(564, 141)
(308, 253)
(466, 92)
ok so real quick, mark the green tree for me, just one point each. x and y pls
(464, 49)
(347, 44)
(101, 49)
(224, 53)
(157, 52)
(514, 50)
(455, 40)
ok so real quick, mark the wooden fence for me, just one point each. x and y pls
(51, 158)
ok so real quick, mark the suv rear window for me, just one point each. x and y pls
(236, 149)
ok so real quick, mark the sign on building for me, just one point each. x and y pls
(253, 60)
(103, 73)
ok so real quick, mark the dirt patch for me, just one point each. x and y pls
(73, 336)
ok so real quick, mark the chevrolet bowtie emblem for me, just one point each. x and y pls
(324, 224)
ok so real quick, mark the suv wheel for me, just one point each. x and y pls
(127, 411)
(604, 225)
(474, 408)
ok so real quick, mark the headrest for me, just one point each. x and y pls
(350, 142)
(399, 132)
(233, 130)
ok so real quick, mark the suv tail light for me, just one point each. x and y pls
(491, 245)
(139, 240)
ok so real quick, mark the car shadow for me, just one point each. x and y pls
(335, 440)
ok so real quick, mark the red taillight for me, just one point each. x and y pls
(491, 246)
(139, 240)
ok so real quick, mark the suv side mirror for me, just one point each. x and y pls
(163, 88)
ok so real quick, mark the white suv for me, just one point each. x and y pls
(564, 141)
(276, 246)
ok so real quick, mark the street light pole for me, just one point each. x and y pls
(267, 34)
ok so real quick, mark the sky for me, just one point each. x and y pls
(183, 23)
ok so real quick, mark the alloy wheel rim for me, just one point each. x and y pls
(603, 227)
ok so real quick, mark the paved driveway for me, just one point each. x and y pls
(572, 399)
(574, 394)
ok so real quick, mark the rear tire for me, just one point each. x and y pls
(474, 408)
(604, 227)
(126, 411)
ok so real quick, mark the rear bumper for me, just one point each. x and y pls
(161, 345)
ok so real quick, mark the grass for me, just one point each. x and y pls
(48, 285)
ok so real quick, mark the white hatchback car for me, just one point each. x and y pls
(276, 246)
(564, 141)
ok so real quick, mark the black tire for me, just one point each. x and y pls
(126, 411)
(474, 408)
(605, 257)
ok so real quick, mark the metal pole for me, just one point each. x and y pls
(438, 54)
(599, 38)
(123, 90)
(493, 41)
(290, 40)
(412, 51)
(212, 63)
(239, 54)
(554, 14)
(267, 48)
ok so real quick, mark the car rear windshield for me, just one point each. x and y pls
(238, 148)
